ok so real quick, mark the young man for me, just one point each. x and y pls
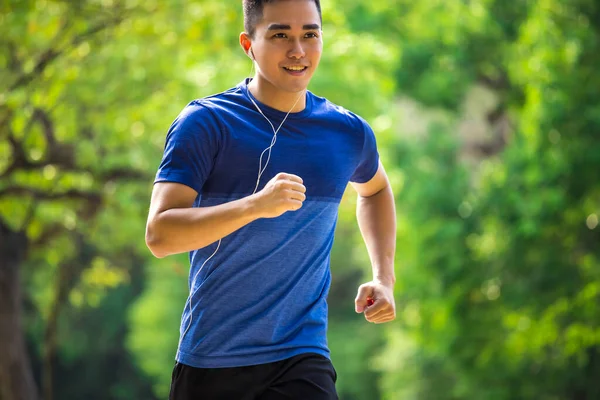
(250, 184)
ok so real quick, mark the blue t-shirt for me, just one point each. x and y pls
(263, 296)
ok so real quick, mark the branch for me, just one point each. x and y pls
(46, 58)
(68, 273)
(500, 83)
(56, 153)
(18, 154)
(90, 197)
(66, 164)
(91, 202)
(18, 159)
(48, 234)
(14, 64)
(42, 117)
(29, 214)
(51, 54)
(122, 174)
(501, 126)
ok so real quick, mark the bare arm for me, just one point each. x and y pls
(376, 215)
(174, 226)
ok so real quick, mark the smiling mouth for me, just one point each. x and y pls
(295, 68)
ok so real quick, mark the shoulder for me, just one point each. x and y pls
(329, 110)
(206, 114)
(211, 106)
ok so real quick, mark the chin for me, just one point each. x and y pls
(285, 84)
(295, 87)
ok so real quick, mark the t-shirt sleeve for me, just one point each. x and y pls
(369, 159)
(191, 147)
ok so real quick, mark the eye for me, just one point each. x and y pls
(279, 36)
(312, 35)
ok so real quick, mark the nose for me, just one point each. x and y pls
(297, 51)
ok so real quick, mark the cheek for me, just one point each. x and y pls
(268, 58)
(316, 54)
(316, 49)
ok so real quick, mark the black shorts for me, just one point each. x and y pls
(305, 376)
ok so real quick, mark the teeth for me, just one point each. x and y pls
(299, 68)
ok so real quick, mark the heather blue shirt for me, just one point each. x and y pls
(263, 296)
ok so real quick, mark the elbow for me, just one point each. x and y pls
(155, 248)
(155, 243)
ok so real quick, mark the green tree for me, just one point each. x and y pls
(76, 81)
(44, 190)
(499, 277)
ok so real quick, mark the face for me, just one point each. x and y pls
(287, 44)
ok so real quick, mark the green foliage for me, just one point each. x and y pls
(497, 257)
(502, 302)
(351, 343)
(155, 320)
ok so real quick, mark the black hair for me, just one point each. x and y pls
(253, 13)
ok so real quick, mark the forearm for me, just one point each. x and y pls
(376, 217)
(179, 230)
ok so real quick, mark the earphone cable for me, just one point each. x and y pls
(261, 170)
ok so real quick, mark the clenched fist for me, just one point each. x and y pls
(285, 192)
(376, 300)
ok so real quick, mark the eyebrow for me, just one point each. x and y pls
(281, 27)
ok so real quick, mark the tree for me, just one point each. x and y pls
(498, 276)
(66, 149)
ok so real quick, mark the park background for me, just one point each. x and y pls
(487, 115)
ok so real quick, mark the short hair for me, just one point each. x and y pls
(253, 13)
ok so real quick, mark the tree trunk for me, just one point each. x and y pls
(16, 375)
(67, 278)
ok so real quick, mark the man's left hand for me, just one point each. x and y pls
(381, 295)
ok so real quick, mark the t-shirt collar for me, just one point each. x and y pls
(273, 112)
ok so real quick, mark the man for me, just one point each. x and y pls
(250, 184)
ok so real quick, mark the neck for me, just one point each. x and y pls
(267, 94)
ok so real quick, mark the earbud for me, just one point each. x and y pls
(251, 52)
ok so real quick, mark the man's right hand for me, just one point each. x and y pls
(285, 192)
(175, 226)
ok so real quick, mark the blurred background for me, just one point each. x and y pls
(487, 115)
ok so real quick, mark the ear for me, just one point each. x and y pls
(246, 44)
